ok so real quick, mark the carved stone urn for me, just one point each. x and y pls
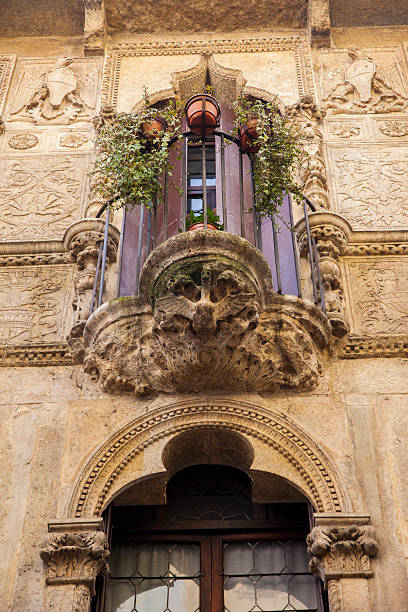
(206, 318)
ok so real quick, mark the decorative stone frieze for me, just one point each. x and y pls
(309, 117)
(331, 233)
(83, 240)
(74, 552)
(206, 318)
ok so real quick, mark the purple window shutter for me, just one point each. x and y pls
(130, 238)
(286, 252)
(231, 174)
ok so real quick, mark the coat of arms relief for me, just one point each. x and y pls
(357, 83)
(58, 94)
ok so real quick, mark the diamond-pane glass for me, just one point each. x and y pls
(267, 576)
(154, 577)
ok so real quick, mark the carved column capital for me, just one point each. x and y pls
(75, 553)
(341, 547)
(82, 240)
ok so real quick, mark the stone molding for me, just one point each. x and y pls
(316, 476)
(7, 64)
(342, 546)
(75, 553)
(295, 43)
(362, 347)
(36, 355)
(206, 317)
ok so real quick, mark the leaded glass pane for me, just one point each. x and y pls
(154, 577)
(266, 576)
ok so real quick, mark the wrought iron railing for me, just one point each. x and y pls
(145, 228)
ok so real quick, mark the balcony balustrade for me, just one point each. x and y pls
(208, 309)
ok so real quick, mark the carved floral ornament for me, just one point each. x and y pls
(74, 553)
(206, 317)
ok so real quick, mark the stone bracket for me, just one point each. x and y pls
(342, 546)
(75, 552)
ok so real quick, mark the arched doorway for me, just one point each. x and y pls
(210, 548)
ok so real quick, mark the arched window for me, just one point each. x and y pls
(210, 548)
(229, 193)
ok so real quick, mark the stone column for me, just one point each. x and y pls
(75, 552)
(342, 547)
(83, 240)
(331, 233)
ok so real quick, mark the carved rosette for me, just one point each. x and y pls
(331, 233)
(309, 118)
(74, 557)
(206, 319)
(83, 240)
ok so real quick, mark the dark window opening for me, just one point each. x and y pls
(210, 549)
(195, 176)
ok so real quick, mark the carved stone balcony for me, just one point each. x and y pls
(206, 317)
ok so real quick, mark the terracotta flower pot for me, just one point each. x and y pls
(152, 128)
(247, 135)
(203, 114)
(200, 225)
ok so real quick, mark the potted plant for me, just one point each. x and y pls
(133, 152)
(274, 145)
(203, 113)
(195, 221)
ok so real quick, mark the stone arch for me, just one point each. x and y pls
(280, 448)
(228, 84)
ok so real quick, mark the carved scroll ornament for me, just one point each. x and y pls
(205, 323)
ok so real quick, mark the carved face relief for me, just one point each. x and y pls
(40, 196)
(33, 304)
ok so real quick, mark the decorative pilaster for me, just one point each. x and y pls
(342, 547)
(319, 23)
(331, 233)
(309, 118)
(83, 240)
(94, 27)
(75, 552)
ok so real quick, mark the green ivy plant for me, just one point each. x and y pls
(279, 155)
(130, 163)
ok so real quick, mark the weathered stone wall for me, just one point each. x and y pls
(57, 424)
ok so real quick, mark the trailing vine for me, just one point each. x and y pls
(277, 155)
(131, 162)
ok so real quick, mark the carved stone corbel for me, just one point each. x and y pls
(319, 23)
(331, 233)
(309, 118)
(342, 548)
(94, 27)
(83, 240)
(74, 552)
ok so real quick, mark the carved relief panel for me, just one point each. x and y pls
(370, 185)
(363, 81)
(54, 92)
(35, 303)
(41, 195)
(378, 295)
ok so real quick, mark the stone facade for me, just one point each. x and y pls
(332, 416)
